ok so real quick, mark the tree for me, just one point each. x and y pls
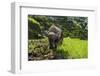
(72, 26)
(34, 30)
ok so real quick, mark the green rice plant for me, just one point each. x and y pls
(74, 48)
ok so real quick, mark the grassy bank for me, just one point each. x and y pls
(70, 49)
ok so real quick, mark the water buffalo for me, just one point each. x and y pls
(55, 36)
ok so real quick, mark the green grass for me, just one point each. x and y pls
(74, 48)
(71, 48)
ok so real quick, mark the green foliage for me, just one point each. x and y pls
(34, 29)
(72, 26)
(74, 48)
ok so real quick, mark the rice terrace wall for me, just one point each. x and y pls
(57, 37)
